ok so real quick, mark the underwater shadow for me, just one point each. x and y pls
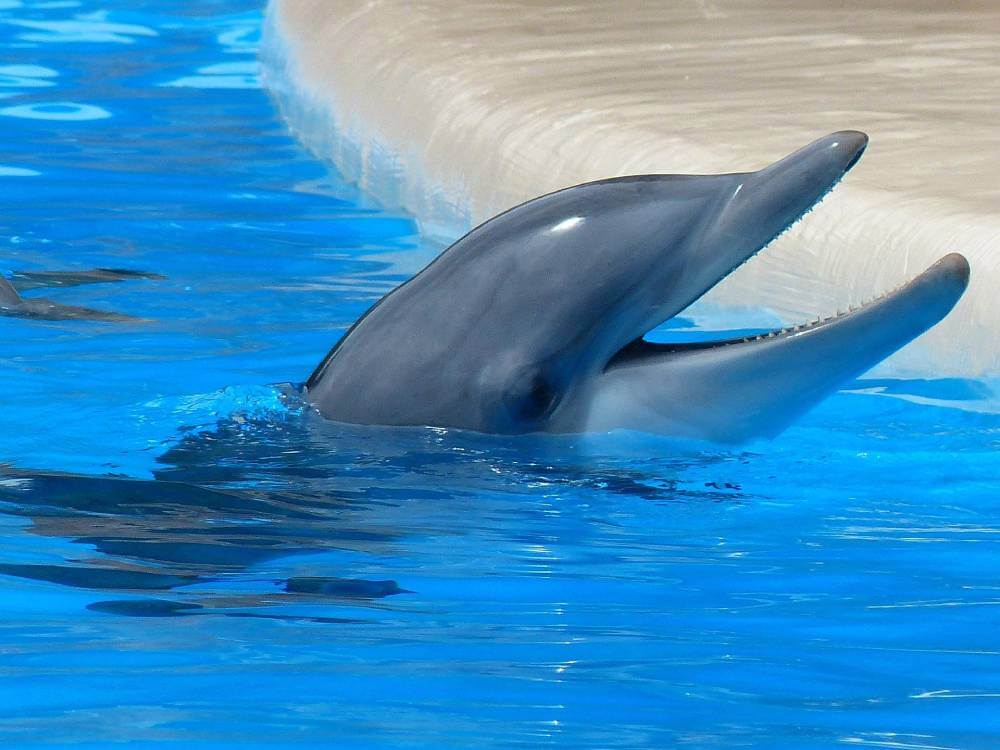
(248, 492)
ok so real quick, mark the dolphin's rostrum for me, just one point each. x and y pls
(534, 321)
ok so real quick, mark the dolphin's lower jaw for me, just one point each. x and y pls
(739, 389)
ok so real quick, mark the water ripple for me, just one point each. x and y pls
(189, 554)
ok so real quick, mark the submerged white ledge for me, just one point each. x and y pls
(457, 111)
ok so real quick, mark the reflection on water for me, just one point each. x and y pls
(228, 499)
(188, 555)
(56, 111)
(839, 577)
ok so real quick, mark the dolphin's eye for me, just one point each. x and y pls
(530, 398)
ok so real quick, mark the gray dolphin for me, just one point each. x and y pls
(13, 304)
(534, 321)
(22, 280)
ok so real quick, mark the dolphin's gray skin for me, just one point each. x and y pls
(13, 304)
(22, 280)
(534, 321)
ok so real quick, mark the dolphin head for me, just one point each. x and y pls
(534, 320)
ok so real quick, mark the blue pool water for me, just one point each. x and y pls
(188, 559)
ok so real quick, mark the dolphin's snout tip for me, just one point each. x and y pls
(849, 144)
(849, 138)
(956, 267)
(824, 160)
(941, 286)
(951, 274)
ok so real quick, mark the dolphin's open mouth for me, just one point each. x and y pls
(751, 386)
(737, 388)
(766, 204)
(751, 211)
(932, 292)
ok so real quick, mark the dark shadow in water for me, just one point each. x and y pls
(166, 608)
(343, 588)
(227, 501)
(165, 535)
(197, 531)
(99, 578)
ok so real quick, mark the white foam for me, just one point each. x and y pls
(456, 111)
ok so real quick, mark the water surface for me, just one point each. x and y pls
(188, 558)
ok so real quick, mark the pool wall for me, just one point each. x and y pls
(456, 112)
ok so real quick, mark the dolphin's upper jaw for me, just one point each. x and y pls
(759, 208)
(832, 157)
(768, 202)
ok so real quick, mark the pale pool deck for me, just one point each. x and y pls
(457, 111)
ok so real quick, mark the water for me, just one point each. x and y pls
(189, 559)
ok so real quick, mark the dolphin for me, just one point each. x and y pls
(534, 321)
(22, 280)
(12, 304)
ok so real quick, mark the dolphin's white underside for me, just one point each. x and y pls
(454, 112)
